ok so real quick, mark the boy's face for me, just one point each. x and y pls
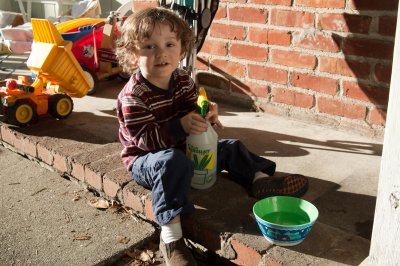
(159, 55)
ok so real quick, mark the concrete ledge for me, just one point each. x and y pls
(223, 222)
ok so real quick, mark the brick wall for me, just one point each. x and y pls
(324, 60)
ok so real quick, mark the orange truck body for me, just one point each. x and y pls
(59, 77)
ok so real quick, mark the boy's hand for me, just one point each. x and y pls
(212, 114)
(193, 123)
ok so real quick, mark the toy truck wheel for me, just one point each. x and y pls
(93, 79)
(21, 113)
(60, 106)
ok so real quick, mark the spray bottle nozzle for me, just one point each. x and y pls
(202, 102)
(203, 108)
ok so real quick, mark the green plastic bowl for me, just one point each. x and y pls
(285, 221)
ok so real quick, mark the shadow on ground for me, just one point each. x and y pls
(283, 145)
(343, 226)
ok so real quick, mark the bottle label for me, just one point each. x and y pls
(203, 158)
(202, 151)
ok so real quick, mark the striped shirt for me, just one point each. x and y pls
(149, 117)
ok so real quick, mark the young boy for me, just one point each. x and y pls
(156, 113)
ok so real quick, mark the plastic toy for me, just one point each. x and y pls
(58, 78)
(93, 40)
(74, 24)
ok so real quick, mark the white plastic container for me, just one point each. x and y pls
(202, 150)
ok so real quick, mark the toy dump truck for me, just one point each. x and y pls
(93, 42)
(58, 78)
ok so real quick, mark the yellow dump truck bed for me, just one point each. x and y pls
(75, 23)
(52, 58)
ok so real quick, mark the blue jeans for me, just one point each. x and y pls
(168, 174)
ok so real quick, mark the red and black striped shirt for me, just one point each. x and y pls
(149, 117)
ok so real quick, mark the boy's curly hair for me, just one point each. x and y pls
(140, 25)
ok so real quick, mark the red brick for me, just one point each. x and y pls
(77, 165)
(62, 155)
(341, 108)
(258, 35)
(94, 179)
(289, 18)
(230, 32)
(322, 42)
(94, 154)
(273, 2)
(250, 88)
(8, 135)
(292, 98)
(60, 163)
(383, 73)
(29, 146)
(389, 5)
(322, 3)
(44, 154)
(46, 148)
(17, 141)
(279, 37)
(268, 74)
(344, 23)
(132, 196)
(249, 52)
(368, 48)
(248, 14)
(293, 59)
(245, 255)
(227, 67)
(95, 171)
(215, 47)
(148, 209)
(371, 94)
(344, 67)
(272, 37)
(78, 170)
(377, 116)
(221, 12)
(315, 83)
(387, 25)
(114, 181)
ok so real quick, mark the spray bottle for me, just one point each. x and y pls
(202, 149)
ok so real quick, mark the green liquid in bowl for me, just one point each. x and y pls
(286, 218)
(286, 211)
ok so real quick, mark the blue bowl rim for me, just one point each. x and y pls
(284, 227)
